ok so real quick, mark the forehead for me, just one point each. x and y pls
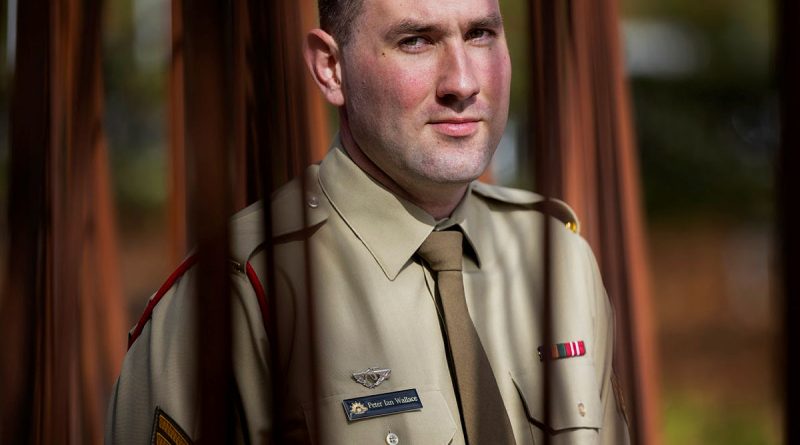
(377, 12)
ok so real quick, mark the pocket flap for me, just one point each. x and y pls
(432, 424)
(574, 394)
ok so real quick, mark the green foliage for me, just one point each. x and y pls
(707, 140)
(135, 110)
(690, 420)
(515, 21)
(705, 151)
(139, 182)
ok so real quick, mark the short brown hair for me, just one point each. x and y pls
(336, 17)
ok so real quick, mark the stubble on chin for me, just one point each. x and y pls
(445, 165)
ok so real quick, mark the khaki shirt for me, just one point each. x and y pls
(373, 305)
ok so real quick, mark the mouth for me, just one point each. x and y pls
(456, 127)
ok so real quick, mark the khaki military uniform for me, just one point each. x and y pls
(373, 304)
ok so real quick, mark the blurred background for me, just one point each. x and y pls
(705, 109)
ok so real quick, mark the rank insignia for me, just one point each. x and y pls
(382, 404)
(562, 350)
(167, 432)
(372, 377)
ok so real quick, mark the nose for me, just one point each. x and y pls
(457, 78)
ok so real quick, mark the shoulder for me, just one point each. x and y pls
(167, 287)
(510, 199)
(295, 208)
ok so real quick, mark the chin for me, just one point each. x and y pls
(454, 171)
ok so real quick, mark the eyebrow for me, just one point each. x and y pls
(412, 26)
(492, 21)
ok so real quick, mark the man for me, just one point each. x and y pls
(424, 305)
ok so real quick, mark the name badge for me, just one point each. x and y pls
(382, 404)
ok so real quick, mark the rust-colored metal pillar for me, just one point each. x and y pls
(585, 154)
(277, 122)
(304, 111)
(316, 115)
(207, 80)
(623, 251)
(59, 320)
(284, 127)
(177, 201)
(23, 298)
(546, 43)
(273, 69)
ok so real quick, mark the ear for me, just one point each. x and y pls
(323, 59)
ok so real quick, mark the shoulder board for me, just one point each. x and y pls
(288, 208)
(554, 207)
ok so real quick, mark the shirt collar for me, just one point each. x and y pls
(390, 227)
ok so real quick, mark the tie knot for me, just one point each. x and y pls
(442, 250)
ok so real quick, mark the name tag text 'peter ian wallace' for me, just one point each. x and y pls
(382, 404)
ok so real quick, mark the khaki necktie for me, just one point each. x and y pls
(483, 414)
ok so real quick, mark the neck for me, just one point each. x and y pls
(437, 199)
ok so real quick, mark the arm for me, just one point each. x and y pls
(158, 373)
(615, 428)
(158, 370)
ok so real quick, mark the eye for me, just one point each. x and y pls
(414, 43)
(480, 34)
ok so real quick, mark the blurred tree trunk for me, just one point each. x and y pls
(61, 313)
(585, 154)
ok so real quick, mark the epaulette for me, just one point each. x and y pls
(288, 208)
(554, 207)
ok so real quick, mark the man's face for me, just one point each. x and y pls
(426, 86)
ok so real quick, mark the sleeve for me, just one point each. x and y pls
(156, 390)
(158, 372)
(614, 430)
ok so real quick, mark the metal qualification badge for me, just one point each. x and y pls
(382, 404)
(372, 377)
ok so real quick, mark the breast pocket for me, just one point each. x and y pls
(575, 415)
(433, 424)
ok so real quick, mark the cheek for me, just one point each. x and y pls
(404, 86)
(497, 73)
(386, 94)
(410, 89)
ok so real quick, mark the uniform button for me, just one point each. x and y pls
(582, 409)
(392, 439)
(313, 201)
